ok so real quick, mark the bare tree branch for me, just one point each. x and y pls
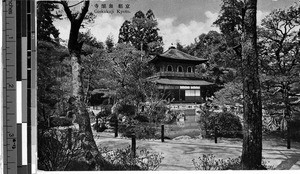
(75, 4)
(67, 10)
(84, 10)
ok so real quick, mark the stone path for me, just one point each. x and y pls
(178, 154)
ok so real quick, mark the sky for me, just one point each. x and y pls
(178, 20)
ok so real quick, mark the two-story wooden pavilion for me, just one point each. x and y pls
(176, 76)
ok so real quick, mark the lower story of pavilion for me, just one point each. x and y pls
(183, 91)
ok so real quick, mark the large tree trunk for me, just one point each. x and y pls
(252, 141)
(89, 151)
(86, 139)
(287, 113)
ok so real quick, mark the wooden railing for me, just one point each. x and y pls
(176, 74)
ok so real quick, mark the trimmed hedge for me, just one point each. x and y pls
(228, 125)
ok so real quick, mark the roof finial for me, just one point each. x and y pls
(172, 46)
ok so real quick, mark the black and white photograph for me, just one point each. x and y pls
(167, 85)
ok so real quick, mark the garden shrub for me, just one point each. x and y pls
(142, 118)
(145, 131)
(142, 124)
(295, 129)
(112, 118)
(125, 109)
(54, 150)
(282, 132)
(126, 128)
(121, 159)
(100, 127)
(56, 154)
(270, 123)
(203, 121)
(295, 135)
(105, 112)
(171, 117)
(141, 130)
(156, 111)
(103, 117)
(228, 125)
(209, 162)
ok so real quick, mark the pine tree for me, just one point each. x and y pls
(45, 16)
(279, 42)
(142, 33)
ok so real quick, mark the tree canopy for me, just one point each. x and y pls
(279, 54)
(230, 21)
(45, 16)
(142, 33)
(129, 72)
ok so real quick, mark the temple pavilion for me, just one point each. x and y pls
(176, 77)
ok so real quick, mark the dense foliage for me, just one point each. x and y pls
(142, 33)
(140, 130)
(279, 49)
(45, 17)
(227, 124)
(53, 71)
(231, 94)
(122, 159)
(55, 150)
(59, 151)
(230, 22)
(210, 162)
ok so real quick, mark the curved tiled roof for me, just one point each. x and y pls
(173, 53)
(183, 82)
(177, 55)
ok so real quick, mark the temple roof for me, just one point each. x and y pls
(182, 82)
(175, 54)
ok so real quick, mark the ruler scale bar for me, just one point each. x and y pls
(19, 87)
(9, 96)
